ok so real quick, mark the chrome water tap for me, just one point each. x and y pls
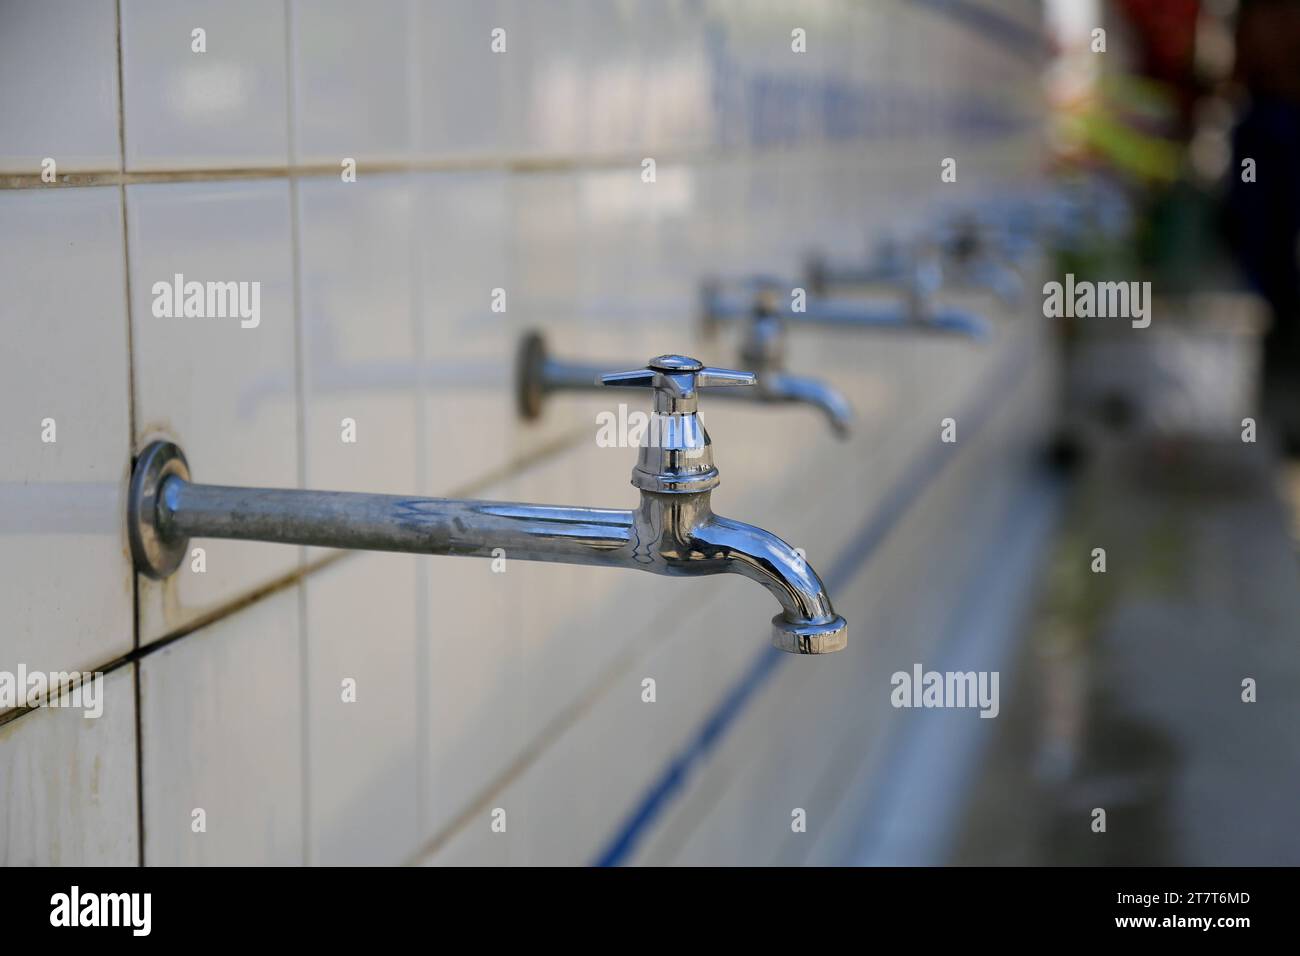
(978, 253)
(768, 313)
(538, 374)
(959, 253)
(673, 530)
(892, 261)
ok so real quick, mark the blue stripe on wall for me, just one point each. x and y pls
(995, 26)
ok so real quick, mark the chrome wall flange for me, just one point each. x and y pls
(156, 554)
(530, 375)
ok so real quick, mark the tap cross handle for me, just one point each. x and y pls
(676, 380)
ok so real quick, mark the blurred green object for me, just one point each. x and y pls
(1178, 242)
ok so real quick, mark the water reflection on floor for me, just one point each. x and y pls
(1131, 700)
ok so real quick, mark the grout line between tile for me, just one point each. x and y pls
(452, 164)
(131, 424)
(300, 427)
(417, 258)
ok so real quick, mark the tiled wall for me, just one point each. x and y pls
(477, 171)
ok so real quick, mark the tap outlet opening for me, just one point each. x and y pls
(808, 638)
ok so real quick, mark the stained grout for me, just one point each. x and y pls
(559, 162)
(416, 257)
(131, 426)
(459, 164)
(300, 428)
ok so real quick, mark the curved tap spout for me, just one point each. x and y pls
(807, 624)
(763, 349)
(782, 387)
(957, 321)
(680, 535)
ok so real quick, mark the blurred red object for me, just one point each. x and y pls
(1165, 34)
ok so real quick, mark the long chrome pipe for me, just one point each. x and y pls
(344, 519)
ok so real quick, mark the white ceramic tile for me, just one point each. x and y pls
(727, 87)
(631, 739)
(226, 108)
(617, 73)
(64, 312)
(567, 622)
(548, 79)
(474, 730)
(68, 783)
(545, 234)
(222, 731)
(545, 224)
(363, 761)
(353, 91)
(58, 86)
(476, 842)
(678, 82)
(464, 254)
(586, 637)
(510, 650)
(467, 246)
(464, 88)
(720, 222)
(226, 393)
(360, 361)
(572, 625)
(631, 303)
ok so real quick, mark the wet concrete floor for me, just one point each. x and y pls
(1129, 693)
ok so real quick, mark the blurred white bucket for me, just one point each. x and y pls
(1193, 372)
